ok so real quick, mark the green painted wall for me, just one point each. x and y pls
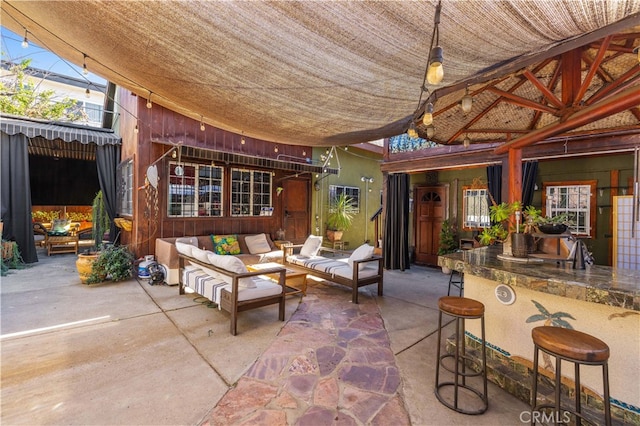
(569, 169)
(354, 164)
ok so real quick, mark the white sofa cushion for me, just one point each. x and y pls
(363, 252)
(203, 256)
(232, 264)
(257, 244)
(186, 245)
(311, 246)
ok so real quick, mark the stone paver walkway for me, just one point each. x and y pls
(331, 364)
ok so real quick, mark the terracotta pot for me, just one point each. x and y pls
(334, 235)
(84, 264)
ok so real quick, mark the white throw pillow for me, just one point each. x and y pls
(232, 264)
(185, 248)
(311, 246)
(363, 252)
(201, 255)
(257, 244)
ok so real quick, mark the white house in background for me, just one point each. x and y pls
(92, 103)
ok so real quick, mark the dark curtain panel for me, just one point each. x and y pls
(529, 176)
(15, 204)
(107, 159)
(494, 183)
(396, 227)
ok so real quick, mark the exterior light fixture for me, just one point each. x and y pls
(412, 132)
(25, 41)
(467, 101)
(466, 142)
(427, 119)
(430, 131)
(85, 71)
(435, 72)
(149, 104)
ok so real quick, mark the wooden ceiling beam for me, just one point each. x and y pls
(523, 102)
(622, 81)
(592, 70)
(548, 94)
(630, 98)
(552, 85)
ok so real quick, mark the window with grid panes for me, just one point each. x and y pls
(125, 188)
(250, 192)
(475, 208)
(573, 199)
(197, 193)
(352, 192)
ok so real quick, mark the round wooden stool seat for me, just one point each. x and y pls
(571, 344)
(461, 306)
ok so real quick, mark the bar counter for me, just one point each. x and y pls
(596, 284)
(598, 300)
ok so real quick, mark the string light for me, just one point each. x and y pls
(412, 132)
(466, 102)
(85, 71)
(202, 123)
(430, 131)
(25, 42)
(275, 149)
(136, 129)
(87, 93)
(427, 119)
(435, 72)
(149, 104)
(466, 142)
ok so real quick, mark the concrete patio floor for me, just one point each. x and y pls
(131, 353)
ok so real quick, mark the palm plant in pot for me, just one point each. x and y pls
(340, 217)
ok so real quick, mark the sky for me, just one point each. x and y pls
(41, 58)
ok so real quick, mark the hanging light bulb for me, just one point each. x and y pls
(275, 149)
(85, 71)
(411, 132)
(149, 104)
(87, 93)
(637, 52)
(304, 153)
(435, 74)
(427, 119)
(466, 142)
(201, 123)
(242, 141)
(174, 154)
(136, 129)
(25, 42)
(467, 101)
(431, 131)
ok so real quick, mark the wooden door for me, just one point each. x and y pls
(430, 207)
(296, 207)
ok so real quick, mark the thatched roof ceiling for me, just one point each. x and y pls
(321, 72)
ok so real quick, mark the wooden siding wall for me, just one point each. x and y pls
(159, 125)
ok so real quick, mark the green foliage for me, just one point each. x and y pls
(448, 238)
(100, 219)
(340, 213)
(20, 96)
(114, 263)
(42, 216)
(14, 261)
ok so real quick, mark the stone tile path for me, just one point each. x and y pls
(331, 364)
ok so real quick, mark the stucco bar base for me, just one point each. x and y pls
(613, 317)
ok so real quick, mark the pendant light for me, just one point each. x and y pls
(467, 141)
(427, 119)
(25, 41)
(467, 101)
(435, 72)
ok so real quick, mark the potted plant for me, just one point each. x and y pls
(554, 225)
(100, 222)
(510, 228)
(340, 217)
(114, 263)
(448, 241)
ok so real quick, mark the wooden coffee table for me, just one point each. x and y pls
(295, 279)
(62, 244)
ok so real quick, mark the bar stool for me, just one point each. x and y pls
(461, 308)
(459, 283)
(578, 348)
